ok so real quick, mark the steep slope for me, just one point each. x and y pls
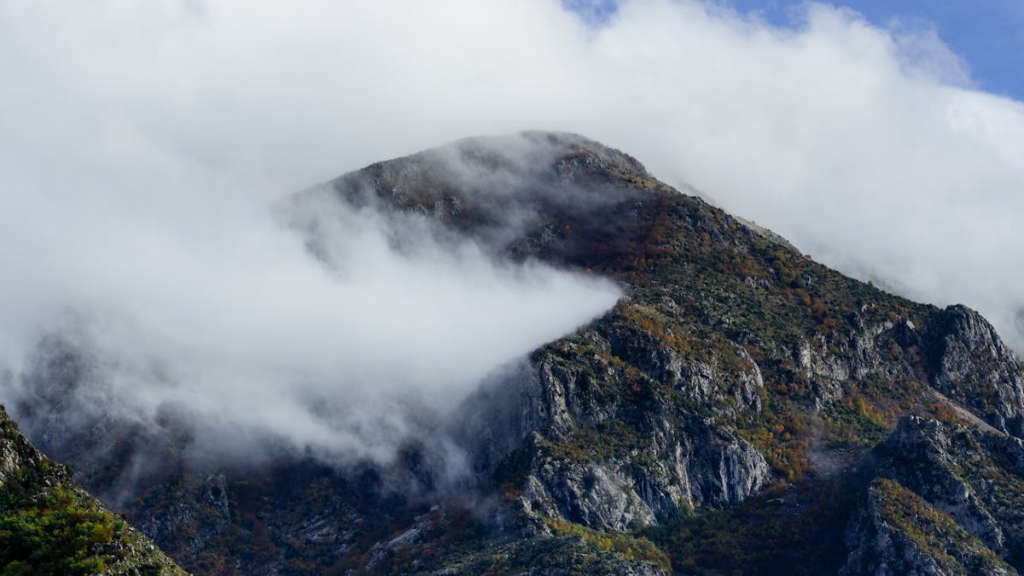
(738, 411)
(50, 526)
(899, 533)
(974, 475)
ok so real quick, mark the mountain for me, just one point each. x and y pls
(741, 410)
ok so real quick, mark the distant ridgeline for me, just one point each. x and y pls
(742, 410)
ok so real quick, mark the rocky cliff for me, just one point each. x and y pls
(896, 532)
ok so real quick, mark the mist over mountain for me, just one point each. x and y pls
(323, 344)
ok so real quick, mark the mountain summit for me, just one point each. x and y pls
(741, 410)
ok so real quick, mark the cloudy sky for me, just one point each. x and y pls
(144, 143)
(987, 35)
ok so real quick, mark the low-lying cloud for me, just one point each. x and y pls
(145, 142)
(242, 328)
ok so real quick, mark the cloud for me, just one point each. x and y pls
(231, 321)
(144, 142)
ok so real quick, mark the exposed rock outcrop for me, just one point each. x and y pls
(972, 365)
(603, 433)
(972, 475)
(896, 533)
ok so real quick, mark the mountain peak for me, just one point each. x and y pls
(530, 152)
(526, 166)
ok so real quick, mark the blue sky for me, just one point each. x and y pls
(987, 34)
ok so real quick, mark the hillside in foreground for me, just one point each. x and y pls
(49, 526)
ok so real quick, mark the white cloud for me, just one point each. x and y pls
(143, 143)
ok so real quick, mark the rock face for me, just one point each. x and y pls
(742, 409)
(972, 475)
(608, 445)
(898, 534)
(974, 367)
(48, 526)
